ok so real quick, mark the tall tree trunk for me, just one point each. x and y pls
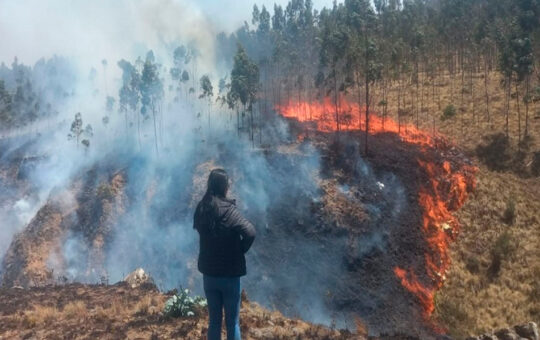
(451, 76)
(260, 121)
(399, 104)
(519, 114)
(367, 117)
(237, 121)
(359, 99)
(385, 102)
(462, 105)
(486, 75)
(126, 118)
(251, 126)
(472, 65)
(209, 113)
(507, 109)
(416, 103)
(139, 129)
(336, 98)
(422, 92)
(527, 99)
(440, 73)
(155, 128)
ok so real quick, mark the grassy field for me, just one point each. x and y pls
(494, 280)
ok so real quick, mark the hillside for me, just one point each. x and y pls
(387, 153)
(488, 297)
(78, 311)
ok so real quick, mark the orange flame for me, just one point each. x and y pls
(351, 117)
(446, 191)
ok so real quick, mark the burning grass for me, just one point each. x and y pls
(475, 297)
(488, 299)
(444, 190)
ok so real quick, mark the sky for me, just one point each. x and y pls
(91, 30)
(233, 12)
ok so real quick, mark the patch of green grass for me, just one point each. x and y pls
(510, 213)
(449, 112)
(502, 249)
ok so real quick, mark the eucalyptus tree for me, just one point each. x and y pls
(264, 55)
(179, 74)
(207, 92)
(334, 41)
(151, 90)
(5, 106)
(244, 85)
(529, 21)
(279, 50)
(77, 132)
(129, 94)
(362, 52)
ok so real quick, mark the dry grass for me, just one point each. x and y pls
(40, 316)
(117, 308)
(112, 310)
(76, 309)
(101, 314)
(502, 217)
(118, 312)
(148, 305)
(469, 125)
(474, 299)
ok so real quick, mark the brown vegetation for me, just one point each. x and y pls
(79, 311)
(493, 281)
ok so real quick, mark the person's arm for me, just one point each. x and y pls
(243, 227)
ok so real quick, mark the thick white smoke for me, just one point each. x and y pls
(155, 230)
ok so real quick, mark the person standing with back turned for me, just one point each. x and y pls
(225, 236)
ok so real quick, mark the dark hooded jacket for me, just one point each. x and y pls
(225, 236)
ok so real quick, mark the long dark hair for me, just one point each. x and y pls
(218, 185)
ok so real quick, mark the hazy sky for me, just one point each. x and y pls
(91, 30)
(234, 12)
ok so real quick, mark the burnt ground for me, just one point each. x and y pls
(326, 246)
(372, 290)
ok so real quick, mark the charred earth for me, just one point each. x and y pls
(334, 228)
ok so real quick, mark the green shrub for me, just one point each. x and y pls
(182, 305)
(502, 249)
(473, 265)
(509, 215)
(495, 153)
(453, 315)
(448, 112)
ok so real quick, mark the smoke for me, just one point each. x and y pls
(151, 226)
(92, 31)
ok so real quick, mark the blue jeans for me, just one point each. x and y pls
(223, 292)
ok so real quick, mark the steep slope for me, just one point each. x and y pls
(87, 208)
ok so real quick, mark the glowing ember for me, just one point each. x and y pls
(445, 192)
